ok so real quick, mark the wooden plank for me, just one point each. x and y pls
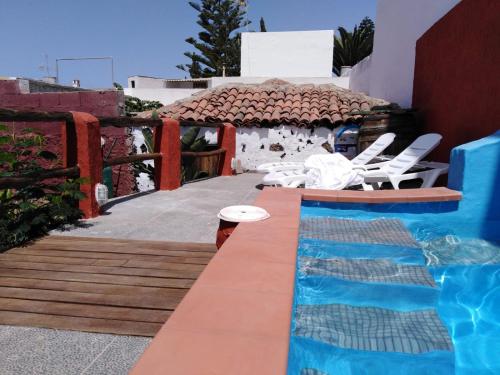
(91, 298)
(168, 245)
(81, 310)
(203, 246)
(20, 181)
(107, 256)
(151, 265)
(120, 327)
(127, 122)
(130, 159)
(109, 262)
(203, 153)
(39, 258)
(103, 270)
(96, 278)
(36, 116)
(124, 250)
(75, 286)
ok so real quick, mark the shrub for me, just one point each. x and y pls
(30, 211)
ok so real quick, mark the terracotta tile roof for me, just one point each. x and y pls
(272, 102)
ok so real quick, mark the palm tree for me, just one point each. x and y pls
(352, 47)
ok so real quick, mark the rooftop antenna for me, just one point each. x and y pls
(45, 67)
(87, 58)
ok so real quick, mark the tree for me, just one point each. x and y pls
(352, 47)
(218, 44)
(262, 25)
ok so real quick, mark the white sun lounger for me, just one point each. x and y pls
(392, 171)
(296, 176)
(363, 158)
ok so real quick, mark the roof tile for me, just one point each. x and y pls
(274, 101)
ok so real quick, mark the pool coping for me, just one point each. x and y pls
(236, 317)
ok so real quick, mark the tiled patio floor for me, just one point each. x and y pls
(188, 214)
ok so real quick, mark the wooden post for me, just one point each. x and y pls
(226, 139)
(89, 159)
(68, 140)
(167, 142)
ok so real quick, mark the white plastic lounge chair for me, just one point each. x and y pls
(393, 171)
(363, 158)
(294, 176)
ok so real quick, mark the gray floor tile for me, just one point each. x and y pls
(119, 357)
(38, 351)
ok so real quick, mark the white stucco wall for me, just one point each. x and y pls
(164, 96)
(253, 144)
(359, 78)
(142, 82)
(287, 54)
(399, 23)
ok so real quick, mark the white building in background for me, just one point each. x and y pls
(287, 54)
(388, 72)
(294, 56)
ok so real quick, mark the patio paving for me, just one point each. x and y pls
(187, 214)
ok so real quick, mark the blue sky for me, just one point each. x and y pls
(143, 37)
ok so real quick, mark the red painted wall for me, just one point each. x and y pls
(457, 75)
(97, 103)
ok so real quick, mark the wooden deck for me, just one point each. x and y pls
(98, 284)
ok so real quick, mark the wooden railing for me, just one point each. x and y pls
(81, 146)
(16, 182)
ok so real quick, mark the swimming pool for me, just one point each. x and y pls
(394, 289)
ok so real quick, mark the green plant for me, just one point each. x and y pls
(218, 44)
(352, 47)
(190, 141)
(32, 210)
(134, 105)
(262, 25)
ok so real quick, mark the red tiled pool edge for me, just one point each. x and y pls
(236, 318)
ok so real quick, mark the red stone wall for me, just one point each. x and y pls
(457, 78)
(97, 103)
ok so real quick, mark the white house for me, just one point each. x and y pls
(287, 54)
(298, 57)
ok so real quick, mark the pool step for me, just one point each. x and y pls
(366, 270)
(378, 231)
(372, 329)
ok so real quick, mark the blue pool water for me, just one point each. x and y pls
(420, 298)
